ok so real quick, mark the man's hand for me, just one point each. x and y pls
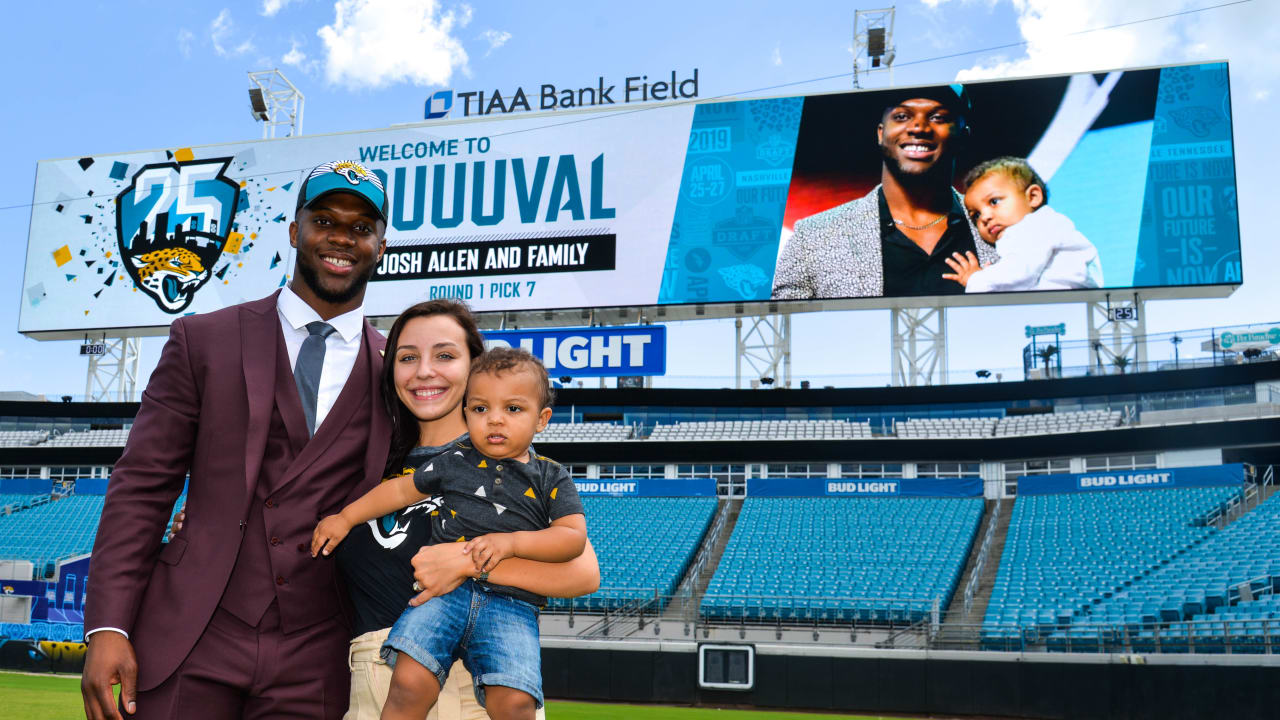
(488, 550)
(328, 534)
(439, 569)
(964, 266)
(110, 661)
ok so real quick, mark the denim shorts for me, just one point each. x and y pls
(495, 636)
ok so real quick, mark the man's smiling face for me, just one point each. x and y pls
(916, 136)
(339, 238)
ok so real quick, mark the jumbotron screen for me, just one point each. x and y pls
(1087, 182)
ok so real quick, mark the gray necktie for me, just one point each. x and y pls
(306, 372)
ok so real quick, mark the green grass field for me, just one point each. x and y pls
(57, 697)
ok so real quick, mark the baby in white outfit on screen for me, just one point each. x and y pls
(1040, 248)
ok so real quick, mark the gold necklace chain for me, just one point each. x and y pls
(920, 227)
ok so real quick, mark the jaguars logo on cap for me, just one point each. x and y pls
(354, 172)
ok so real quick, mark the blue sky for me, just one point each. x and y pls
(94, 78)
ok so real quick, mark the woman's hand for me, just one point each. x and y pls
(178, 520)
(439, 569)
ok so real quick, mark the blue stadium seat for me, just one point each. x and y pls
(644, 546)
(844, 559)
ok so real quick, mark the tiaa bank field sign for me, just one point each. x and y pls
(592, 352)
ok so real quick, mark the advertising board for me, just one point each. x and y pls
(1113, 180)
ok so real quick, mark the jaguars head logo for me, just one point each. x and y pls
(172, 223)
(354, 172)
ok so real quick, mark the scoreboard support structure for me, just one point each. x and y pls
(919, 350)
(766, 348)
(113, 375)
(1117, 333)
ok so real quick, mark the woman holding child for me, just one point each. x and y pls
(424, 378)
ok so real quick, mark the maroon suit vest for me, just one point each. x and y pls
(296, 486)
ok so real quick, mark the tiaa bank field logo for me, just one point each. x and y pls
(439, 104)
(172, 223)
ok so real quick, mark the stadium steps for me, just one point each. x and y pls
(696, 580)
(959, 627)
(1246, 504)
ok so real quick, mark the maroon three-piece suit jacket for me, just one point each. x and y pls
(221, 405)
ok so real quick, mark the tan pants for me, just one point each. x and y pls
(371, 679)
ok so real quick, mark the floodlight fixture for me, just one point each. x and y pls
(872, 47)
(875, 41)
(274, 101)
(258, 105)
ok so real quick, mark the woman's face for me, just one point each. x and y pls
(431, 366)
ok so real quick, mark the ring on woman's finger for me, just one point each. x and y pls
(417, 586)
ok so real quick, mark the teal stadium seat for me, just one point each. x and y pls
(1123, 560)
(644, 546)
(842, 559)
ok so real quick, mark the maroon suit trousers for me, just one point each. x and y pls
(239, 672)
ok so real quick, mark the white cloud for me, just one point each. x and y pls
(374, 44)
(776, 57)
(1058, 41)
(271, 7)
(222, 31)
(495, 38)
(185, 38)
(295, 56)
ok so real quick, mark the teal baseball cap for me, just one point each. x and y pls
(344, 176)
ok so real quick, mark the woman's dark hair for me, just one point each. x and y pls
(404, 426)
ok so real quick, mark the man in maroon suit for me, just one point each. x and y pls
(273, 409)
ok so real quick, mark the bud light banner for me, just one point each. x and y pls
(1122, 179)
(26, 486)
(648, 487)
(1149, 479)
(592, 352)
(864, 487)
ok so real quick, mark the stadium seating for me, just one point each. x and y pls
(1063, 422)
(1038, 424)
(762, 430)
(1203, 584)
(1065, 554)
(22, 438)
(21, 500)
(951, 427)
(45, 533)
(584, 432)
(842, 559)
(89, 438)
(644, 546)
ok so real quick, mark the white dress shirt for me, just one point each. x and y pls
(1043, 251)
(340, 348)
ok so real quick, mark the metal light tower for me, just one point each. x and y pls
(873, 48)
(274, 101)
